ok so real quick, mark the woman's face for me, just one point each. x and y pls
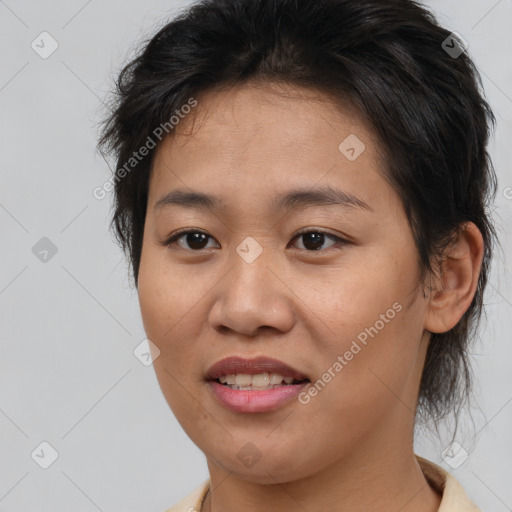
(346, 313)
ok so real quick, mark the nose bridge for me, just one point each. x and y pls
(251, 279)
(252, 295)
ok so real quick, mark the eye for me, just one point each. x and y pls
(313, 239)
(197, 240)
(194, 237)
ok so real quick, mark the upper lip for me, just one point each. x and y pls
(239, 365)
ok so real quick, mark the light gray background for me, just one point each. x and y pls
(69, 326)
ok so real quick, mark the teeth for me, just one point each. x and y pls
(260, 380)
(275, 378)
(243, 380)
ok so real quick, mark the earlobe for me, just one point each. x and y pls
(456, 282)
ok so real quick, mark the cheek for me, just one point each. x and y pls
(169, 310)
(350, 298)
(161, 308)
(161, 296)
(153, 301)
(377, 334)
(381, 376)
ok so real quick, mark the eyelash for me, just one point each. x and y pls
(176, 236)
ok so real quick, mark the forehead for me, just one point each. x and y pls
(267, 137)
(284, 112)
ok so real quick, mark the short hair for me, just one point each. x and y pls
(408, 78)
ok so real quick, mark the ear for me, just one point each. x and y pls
(456, 281)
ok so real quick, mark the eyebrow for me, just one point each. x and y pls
(294, 199)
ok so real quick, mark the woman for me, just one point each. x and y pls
(301, 188)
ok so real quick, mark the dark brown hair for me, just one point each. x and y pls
(410, 79)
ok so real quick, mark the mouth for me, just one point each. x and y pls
(254, 385)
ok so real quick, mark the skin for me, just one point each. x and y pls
(351, 446)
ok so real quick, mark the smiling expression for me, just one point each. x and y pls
(295, 248)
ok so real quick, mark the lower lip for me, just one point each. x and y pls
(255, 401)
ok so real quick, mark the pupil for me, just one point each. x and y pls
(196, 238)
(316, 238)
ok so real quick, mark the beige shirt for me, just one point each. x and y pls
(454, 499)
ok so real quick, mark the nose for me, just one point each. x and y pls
(252, 297)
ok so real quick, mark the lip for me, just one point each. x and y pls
(234, 365)
(238, 400)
